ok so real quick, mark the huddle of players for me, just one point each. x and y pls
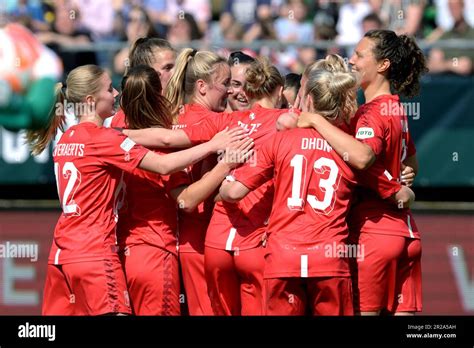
(266, 237)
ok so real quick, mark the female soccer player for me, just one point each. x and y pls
(238, 62)
(306, 262)
(234, 257)
(198, 88)
(389, 278)
(148, 219)
(154, 52)
(84, 275)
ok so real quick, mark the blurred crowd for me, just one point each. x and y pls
(70, 23)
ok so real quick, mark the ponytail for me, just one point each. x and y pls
(175, 91)
(40, 138)
(407, 62)
(81, 81)
(191, 65)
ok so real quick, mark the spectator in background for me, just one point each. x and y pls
(263, 29)
(97, 17)
(371, 22)
(291, 25)
(138, 25)
(165, 12)
(183, 30)
(244, 12)
(457, 60)
(326, 14)
(403, 16)
(66, 32)
(349, 26)
(444, 18)
(29, 13)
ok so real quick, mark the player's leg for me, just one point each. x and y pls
(152, 279)
(408, 299)
(250, 265)
(98, 287)
(285, 296)
(57, 296)
(195, 285)
(223, 281)
(330, 296)
(375, 271)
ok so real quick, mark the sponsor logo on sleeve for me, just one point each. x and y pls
(365, 133)
(127, 145)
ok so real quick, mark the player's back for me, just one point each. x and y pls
(313, 186)
(149, 213)
(88, 163)
(313, 189)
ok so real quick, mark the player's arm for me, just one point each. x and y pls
(159, 137)
(288, 120)
(378, 179)
(403, 198)
(189, 197)
(170, 163)
(250, 175)
(359, 155)
(409, 170)
(233, 191)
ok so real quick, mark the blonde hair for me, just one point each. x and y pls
(333, 89)
(262, 79)
(191, 65)
(332, 63)
(82, 81)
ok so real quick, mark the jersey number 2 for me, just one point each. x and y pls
(328, 186)
(73, 177)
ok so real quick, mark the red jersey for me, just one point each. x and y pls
(193, 226)
(148, 214)
(240, 225)
(88, 163)
(383, 125)
(118, 120)
(307, 228)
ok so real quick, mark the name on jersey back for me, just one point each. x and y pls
(76, 150)
(315, 144)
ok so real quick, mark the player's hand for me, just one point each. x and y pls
(297, 103)
(306, 120)
(237, 153)
(288, 120)
(408, 175)
(227, 138)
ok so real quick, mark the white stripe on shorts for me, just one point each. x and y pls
(409, 227)
(56, 257)
(230, 239)
(304, 266)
